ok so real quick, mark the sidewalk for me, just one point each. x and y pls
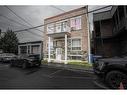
(68, 67)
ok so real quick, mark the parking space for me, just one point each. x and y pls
(44, 78)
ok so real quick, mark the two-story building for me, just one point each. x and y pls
(66, 36)
(110, 32)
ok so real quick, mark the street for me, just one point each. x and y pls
(44, 78)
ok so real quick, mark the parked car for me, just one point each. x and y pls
(26, 61)
(113, 71)
(6, 57)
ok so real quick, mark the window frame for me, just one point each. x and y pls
(75, 25)
(62, 26)
(76, 47)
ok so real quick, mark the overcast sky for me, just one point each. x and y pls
(34, 15)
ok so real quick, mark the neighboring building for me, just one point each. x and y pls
(110, 32)
(67, 37)
(31, 48)
(1, 35)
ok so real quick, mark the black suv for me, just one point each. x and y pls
(113, 71)
(26, 61)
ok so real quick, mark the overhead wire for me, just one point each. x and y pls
(20, 17)
(63, 19)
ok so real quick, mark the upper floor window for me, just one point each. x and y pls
(121, 12)
(75, 23)
(50, 28)
(97, 29)
(61, 26)
(64, 26)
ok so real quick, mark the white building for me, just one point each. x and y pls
(31, 48)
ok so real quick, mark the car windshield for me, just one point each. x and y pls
(34, 56)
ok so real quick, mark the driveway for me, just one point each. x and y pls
(44, 78)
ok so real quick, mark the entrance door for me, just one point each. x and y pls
(58, 53)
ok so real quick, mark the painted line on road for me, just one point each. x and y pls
(73, 77)
(55, 72)
(32, 71)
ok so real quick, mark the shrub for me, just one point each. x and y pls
(44, 61)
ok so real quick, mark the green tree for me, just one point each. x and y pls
(9, 42)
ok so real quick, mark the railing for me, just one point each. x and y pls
(120, 26)
(75, 52)
(68, 29)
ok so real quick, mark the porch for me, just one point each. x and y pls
(59, 49)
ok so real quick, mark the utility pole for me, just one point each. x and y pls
(89, 46)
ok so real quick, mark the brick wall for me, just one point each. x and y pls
(82, 33)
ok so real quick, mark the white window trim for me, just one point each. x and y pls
(59, 22)
(80, 22)
(76, 38)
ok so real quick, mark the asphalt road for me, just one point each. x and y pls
(44, 78)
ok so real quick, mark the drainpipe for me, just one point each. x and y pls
(65, 48)
(49, 50)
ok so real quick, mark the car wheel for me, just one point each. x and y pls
(114, 78)
(39, 65)
(24, 65)
(11, 63)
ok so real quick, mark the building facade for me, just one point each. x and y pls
(31, 48)
(66, 36)
(110, 32)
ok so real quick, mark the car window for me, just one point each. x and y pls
(33, 56)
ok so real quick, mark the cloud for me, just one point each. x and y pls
(34, 15)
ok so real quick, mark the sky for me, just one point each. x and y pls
(34, 16)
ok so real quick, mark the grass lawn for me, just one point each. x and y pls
(84, 64)
(78, 63)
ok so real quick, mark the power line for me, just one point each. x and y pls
(12, 20)
(18, 23)
(63, 19)
(57, 8)
(34, 33)
(21, 17)
(7, 24)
